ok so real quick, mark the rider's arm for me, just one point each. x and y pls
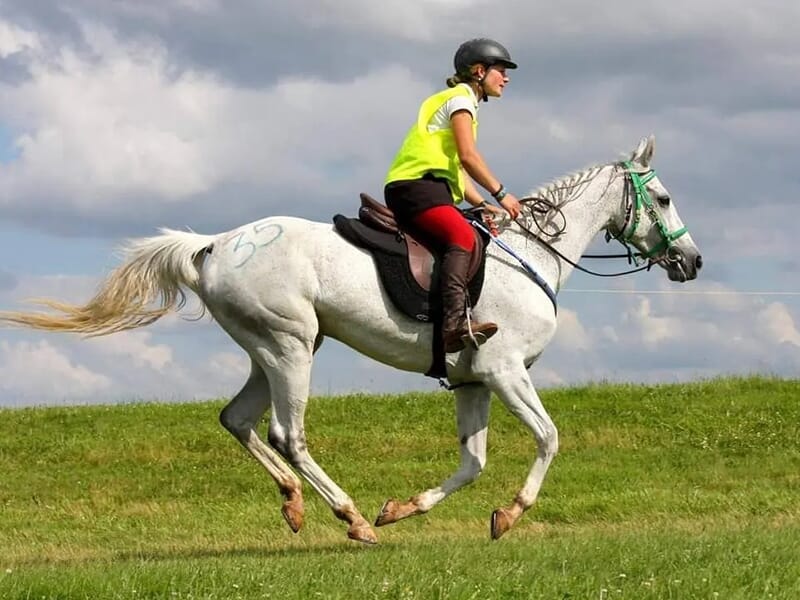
(473, 163)
(474, 197)
(471, 193)
(471, 159)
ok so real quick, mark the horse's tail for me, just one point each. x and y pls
(147, 286)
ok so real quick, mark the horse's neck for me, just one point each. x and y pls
(587, 209)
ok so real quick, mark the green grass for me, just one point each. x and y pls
(683, 491)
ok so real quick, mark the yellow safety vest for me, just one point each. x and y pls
(432, 152)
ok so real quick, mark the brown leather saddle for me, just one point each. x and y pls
(420, 258)
(407, 268)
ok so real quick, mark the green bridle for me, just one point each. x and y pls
(643, 201)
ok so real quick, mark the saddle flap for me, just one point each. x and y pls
(369, 238)
(376, 215)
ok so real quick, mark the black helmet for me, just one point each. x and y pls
(484, 51)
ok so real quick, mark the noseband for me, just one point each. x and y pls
(636, 187)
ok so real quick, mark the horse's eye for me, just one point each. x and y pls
(663, 200)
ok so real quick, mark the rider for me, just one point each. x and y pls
(427, 176)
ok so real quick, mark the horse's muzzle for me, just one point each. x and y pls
(682, 266)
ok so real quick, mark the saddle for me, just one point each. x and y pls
(409, 270)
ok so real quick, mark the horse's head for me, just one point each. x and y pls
(649, 219)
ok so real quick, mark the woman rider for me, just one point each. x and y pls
(427, 176)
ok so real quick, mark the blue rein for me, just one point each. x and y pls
(538, 279)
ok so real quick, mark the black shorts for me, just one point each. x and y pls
(409, 198)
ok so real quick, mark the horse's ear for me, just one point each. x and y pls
(644, 152)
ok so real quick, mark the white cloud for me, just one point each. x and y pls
(15, 39)
(680, 336)
(418, 21)
(652, 329)
(93, 130)
(128, 124)
(542, 376)
(41, 373)
(647, 20)
(777, 325)
(122, 367)
(231, 366)
(135, 348)
(571, 333)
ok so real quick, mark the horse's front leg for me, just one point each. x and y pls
(513, 386)
(472, 417)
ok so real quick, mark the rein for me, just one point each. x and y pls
(532, 273)
(536, 207)
(636, 187)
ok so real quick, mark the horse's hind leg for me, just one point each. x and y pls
(472, 416)
(287, 363)
(241, 417)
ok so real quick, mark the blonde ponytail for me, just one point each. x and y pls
(455, 80)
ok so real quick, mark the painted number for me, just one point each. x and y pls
(249, 241)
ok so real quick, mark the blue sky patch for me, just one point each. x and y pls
(34, 253)
(8, 151)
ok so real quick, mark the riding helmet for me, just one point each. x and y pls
(484, 51)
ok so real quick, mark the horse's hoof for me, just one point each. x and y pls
(362, 533)
(388, 513)
(501, 522)
(292, 511)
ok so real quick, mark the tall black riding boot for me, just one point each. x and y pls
(453, 277)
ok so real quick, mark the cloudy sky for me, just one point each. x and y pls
(120, 116)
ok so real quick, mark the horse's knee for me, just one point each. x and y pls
(290, 446)
(278, 440)
(548, 445)
(296, 449)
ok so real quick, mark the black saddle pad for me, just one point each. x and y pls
(391, 260)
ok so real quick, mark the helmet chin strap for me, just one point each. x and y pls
(485, 96)
(479, 80)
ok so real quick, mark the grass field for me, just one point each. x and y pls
(682, 491)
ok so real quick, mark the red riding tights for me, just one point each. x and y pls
(446, 225)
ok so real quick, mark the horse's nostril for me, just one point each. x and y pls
(698, 262)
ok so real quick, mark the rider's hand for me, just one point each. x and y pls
(489, 213)
(512, 205)
(491, 209)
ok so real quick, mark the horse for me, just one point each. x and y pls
(280, 285)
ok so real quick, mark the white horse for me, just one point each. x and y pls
(280, 285)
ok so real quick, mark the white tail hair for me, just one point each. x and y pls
(147, 286)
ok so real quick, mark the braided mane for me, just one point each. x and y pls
(557, 194)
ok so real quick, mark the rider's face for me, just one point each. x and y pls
(495, 80)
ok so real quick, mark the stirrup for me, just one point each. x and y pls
(471, 338)
(475, 339)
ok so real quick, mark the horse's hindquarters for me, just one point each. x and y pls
(301, 278)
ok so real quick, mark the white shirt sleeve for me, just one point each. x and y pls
(441, 118)
(457, 103)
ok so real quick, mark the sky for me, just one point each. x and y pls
(121, 116)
